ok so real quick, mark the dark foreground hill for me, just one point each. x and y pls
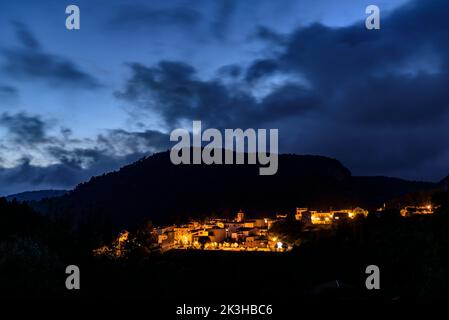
(153, 188)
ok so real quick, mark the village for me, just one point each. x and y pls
(245, 234)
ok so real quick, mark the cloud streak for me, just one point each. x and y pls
(30, 62)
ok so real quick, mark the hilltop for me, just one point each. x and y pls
(153, 188)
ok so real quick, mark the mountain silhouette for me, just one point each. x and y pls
(154, 188)
(36, 195)
(444, 184)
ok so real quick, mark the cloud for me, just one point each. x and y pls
(134, 142)
(385, 104)
(67, 161)
(25, 36)
(26, 176)
(30, 62)
(377, 100)
(8, 95)
(223, 18)
(174, 91)
(25, 129)
(8, 90)
(232, 71)
(266, 34)
(144, 17)
(261, 68)
(205, 19)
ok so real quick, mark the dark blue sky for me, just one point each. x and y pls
(79, 103)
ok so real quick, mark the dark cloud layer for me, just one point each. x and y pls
(174, 90)
(377, 100)
(29, 62)
(24, 129)
(385, 92)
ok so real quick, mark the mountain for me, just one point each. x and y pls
(36, 195)
(377, 190)
(153, 188)
(444, 184)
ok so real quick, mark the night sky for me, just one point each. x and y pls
(79, 103)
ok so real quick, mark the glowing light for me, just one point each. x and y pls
(123, 237)
(279, 245)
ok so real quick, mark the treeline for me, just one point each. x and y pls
(35, 249)
(412, 253)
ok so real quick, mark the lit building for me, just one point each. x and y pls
(359, 211)
(166, 240)
(260, 223)
(256, 242)
(306, 217)
(183, 235)
(412, 210)
(340, 216)
(249, 224)
(240, 216)
(315, 217)
(321, 217)
(217, 234)
(232, 226)
(299, 212)
(281, 215)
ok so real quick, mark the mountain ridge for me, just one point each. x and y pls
(36, 195)
(153, 188)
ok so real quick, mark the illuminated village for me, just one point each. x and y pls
(241, 233)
